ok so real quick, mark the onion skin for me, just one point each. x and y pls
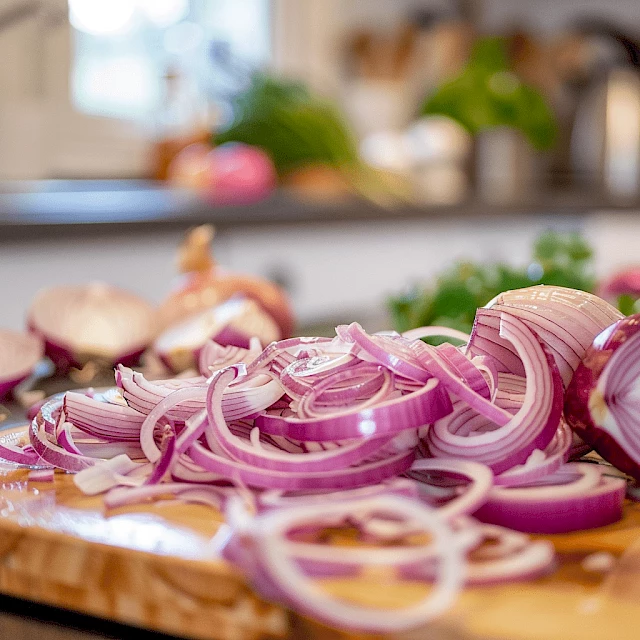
(584, 383)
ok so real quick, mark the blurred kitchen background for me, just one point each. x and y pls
(347, 149)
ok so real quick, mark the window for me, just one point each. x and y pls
(127, 51)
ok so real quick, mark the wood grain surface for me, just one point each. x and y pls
(157, 566)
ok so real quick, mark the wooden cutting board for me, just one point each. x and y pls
(157, 566)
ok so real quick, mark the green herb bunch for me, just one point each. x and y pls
(488, 94)
(293, 126)
(558, 259)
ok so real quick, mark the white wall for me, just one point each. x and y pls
(343, 270)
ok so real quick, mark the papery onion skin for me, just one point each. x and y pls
(582, 402)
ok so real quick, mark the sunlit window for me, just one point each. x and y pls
(126, 52)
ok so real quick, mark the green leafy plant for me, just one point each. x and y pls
(293, 126)
(558, 259)
(489, 94)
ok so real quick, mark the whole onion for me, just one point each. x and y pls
(91, 322)
(205, 285)
(240, 174)
(602, 402)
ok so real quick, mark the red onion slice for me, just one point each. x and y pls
(466, 369)
(510, 556)
(566, 320)
(268, 534)
(436, 331)
(392, 352)
(472, 497)
(411, 411)
(214, 356)
(532, 427)
(218, 434)
(274, 499)
(49, 451)
(433, 362)
(582, 498)
(540, 463)
(248, 475)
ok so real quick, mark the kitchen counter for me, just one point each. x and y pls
(63, 208)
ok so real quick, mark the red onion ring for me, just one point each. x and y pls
(589, 499)
(271, 549)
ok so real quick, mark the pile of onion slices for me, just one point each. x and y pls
(436, 461)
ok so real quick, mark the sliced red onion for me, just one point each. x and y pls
(283, 576)
(361, 475)
(532, 427)
(602, 402)
(316, 432)
(65, 439)
(392, 352)
(275, 499)
(565, 320)
(433, 362)
(105, 475)
(368, 385)
(218, 434)
(489, 369)
(472, 497)
(48, 450)
(91, 322)
(578, 496)
(123, 496)
(19, 355)
(410, 411)
(540, 463)
(249, 396)
(20, 456)
(486, 341)
(466, 369)
(233, 323)
(214, 356)
(165, 461)
(436, 332)
(102, 419)
(494, 555)
(509, 556)
(173, 399)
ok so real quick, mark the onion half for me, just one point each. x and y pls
(91, 322)
(233, 323)
(19, 355)
(603, 400)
